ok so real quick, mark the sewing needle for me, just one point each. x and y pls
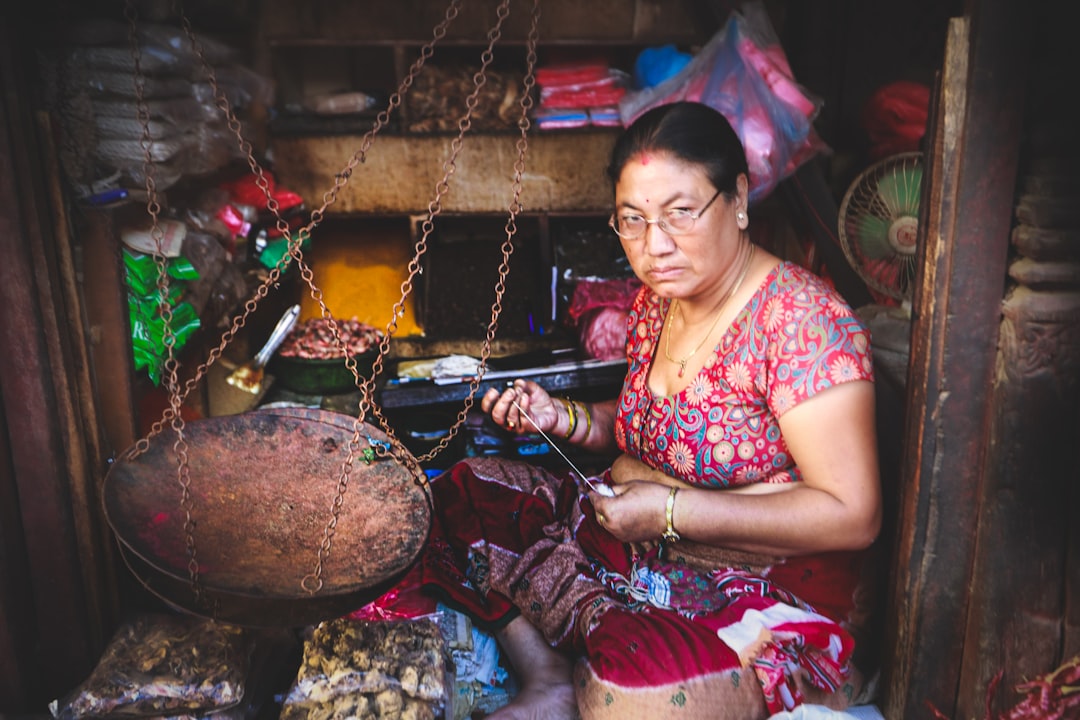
(599, 489)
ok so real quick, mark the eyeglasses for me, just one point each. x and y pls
(677, 221)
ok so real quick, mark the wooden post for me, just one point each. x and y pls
(964, 232)
(1018, 623)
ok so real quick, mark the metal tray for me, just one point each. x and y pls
(262, 487)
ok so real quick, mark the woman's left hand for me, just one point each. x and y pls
(636, 513)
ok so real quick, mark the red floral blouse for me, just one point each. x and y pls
(795, 338)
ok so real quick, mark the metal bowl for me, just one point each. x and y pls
(262, 485)
(319, 377)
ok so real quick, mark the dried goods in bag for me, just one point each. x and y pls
(372, 669)
(159, 664)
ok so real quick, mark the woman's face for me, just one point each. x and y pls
(677, 266)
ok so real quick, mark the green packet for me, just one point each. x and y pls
(148, 333)
(141, 273)
(147, 326)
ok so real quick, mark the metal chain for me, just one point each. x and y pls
(171, 366)
(294, 241)
(511, 229)
(312, 583)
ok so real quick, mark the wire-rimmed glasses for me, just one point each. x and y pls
(677, 221)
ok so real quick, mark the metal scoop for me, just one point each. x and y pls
(249, 376)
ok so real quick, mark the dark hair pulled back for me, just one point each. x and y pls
(692, 132)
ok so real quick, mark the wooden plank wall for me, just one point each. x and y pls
(918, 537)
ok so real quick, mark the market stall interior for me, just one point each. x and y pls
(507, 270)
(362, 352)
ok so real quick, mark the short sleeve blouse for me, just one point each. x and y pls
(793, 339)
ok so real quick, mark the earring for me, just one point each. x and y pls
(740, 215)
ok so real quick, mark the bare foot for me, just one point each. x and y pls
(547, 690)
(539, 701)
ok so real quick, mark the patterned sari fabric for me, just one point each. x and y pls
(687, 630)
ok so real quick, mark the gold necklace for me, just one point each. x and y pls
(675, 303)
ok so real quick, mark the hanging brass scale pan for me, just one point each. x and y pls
(261, 488)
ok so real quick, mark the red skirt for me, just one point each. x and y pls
(690, 632)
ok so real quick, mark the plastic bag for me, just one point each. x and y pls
(125, 128)
(178, 112)
(164, 38)
(743, 72)
(360, 669)
(598, 310)
(159, 665)
(654, 65)
(405, 600)
(153, 60)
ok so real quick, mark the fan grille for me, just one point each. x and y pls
(878, 224)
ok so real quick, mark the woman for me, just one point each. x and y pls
(722, 577)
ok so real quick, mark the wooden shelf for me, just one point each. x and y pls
(296, 22)
(564, 172)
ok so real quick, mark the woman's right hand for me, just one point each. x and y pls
(521, 407)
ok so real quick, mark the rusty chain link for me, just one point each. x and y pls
(301, 235)
(507, 247)
(312, 583)
(171, 366)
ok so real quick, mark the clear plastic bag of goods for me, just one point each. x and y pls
(119, 152)
(373, 669)
(112, 82)
(153, 60)
(179, 111)
(125, 128)
(175, 39)
(339, 103)
(169, 158)
(133, 175)
(163, 665)
(241, 85)
(213, 146)
(743, 73)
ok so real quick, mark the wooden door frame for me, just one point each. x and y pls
(56, 583)
(976, 130)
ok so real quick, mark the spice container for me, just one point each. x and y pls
(311, 362)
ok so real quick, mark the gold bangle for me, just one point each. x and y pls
(571, 414)
(669, 516)
(588, 421)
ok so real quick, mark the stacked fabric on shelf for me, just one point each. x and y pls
(579, 94)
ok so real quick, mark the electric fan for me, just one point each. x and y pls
(879, 222)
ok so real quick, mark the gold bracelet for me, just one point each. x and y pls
(571, 413)
(669, 515)
(588, 421)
